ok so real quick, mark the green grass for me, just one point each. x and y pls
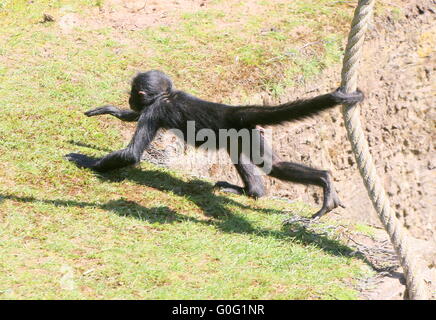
(147, 232)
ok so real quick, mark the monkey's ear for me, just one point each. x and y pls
(142, 93)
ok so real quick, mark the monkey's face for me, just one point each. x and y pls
(146, 87)
(139, 99)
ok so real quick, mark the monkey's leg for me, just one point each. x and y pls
(253, 183)
(124, 115)
(146, 130)
(302, 174)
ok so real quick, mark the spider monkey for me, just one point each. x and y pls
(156, 104)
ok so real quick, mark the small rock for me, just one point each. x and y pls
(47, 18)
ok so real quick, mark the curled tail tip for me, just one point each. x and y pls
(343, 97)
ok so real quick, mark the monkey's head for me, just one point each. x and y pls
(147, 87)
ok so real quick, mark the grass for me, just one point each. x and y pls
(147, 232)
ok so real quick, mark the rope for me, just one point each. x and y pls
(376, 192)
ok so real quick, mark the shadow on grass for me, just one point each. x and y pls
(89, 146)
(121, 207)
(201, 193)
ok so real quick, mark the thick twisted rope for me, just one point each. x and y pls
(376, 192)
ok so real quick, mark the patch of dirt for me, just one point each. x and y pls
(126, 14)
(129, 14)
(376, 250)
(138, 14)
(389, 282)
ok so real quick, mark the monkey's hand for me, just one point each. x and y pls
(347, 98)
(81, 160)
(107, 109)
(124, 115)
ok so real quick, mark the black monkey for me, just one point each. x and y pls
(156, 104)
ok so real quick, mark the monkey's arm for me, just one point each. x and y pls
(144, 134)
(296, 110)
(124, 115)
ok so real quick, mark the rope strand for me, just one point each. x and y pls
(376, 192)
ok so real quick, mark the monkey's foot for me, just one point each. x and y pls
(81, 160)
(331, 201)
(228, 187)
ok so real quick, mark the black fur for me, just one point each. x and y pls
(156, 104)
